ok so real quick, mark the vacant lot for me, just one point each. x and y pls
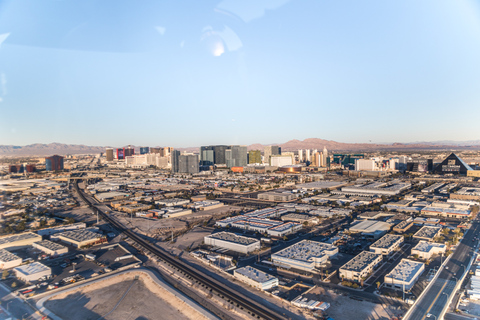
(121, 297)
(345, 308)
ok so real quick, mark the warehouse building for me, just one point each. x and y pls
(372, 228)
(360, 266)
(73, 226)
(231, 241)
(172, 202)
(9, 260)
(387, 244)
(446, 212)
(427, 233)
(403, 226)
(425, 249)
(300, 218)
(304, 255)
(276, 196)
(256, 278)
(50, 248)
(404, 275)
(284, 229)
(32, 271)
(466, 193)
(80, 238)
(19, 240)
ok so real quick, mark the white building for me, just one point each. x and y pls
(387, 244)
(50, 248)
(304, 255)
(404, 275)
(360, 266)
(233, 242)
(256, 278)
(19, 240)
(427, 233)
(9, 260)
(281, 160)
(365, 165)
(32, 271)
(425, 249)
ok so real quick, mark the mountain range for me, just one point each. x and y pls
(39, 149)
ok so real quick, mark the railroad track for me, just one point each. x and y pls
(255, 309)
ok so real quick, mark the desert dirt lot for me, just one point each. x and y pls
(345, 308)
(121, 297)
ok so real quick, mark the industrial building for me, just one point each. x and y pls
(377, 188)
(19, 240)
(425, 250)
(360, 266)
(172, 202)
(8, 260)
(53, 230)
(446, 212)
(256, 278)
(276, 196)
(372, 228)
(387, 244)
(466, 193)
(404, 275)
(206, 205)
(304, 255)
(50, 248)
(79, 238)
(300, 218)
(403, 226)
(284, 229)
(231, 241)
(427, 233)
(32, 272)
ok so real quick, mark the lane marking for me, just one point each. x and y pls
(434, 300)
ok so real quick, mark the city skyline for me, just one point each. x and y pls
(238, 73)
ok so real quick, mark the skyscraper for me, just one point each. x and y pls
(144, 150)
(207, 156)
(307, 155)
(120, 154)
(254, 156)
(300, 155)
(109, 154)
(184, 163)
(54, 163)
(128, 151)
(238, 156)
(270, 151)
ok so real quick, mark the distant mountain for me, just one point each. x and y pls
(39, 149)
(292, 145)
(319, 144)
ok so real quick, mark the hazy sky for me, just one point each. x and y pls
(190, 73)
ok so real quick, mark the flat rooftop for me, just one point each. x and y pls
(255, 274)
(32, 268)
(49, 245)
(307, 250)
(360, 261)
(7, 256)
(370, 226)
(386, 241)
(427, 232)
(285, 226)
(322, 185)
(79, 235)
(406, 270)
(232, 237)
(18, 237)
(424, 246)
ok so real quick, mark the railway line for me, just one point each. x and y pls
(254, 308)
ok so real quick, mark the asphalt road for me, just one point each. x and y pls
(16, 306)
(435, 299)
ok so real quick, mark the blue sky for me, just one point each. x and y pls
(194, 73)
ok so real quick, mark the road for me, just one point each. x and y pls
(434, 300)
(16, 306)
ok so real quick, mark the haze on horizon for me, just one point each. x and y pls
(238, 72)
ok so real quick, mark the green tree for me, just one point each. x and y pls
(4, 274)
